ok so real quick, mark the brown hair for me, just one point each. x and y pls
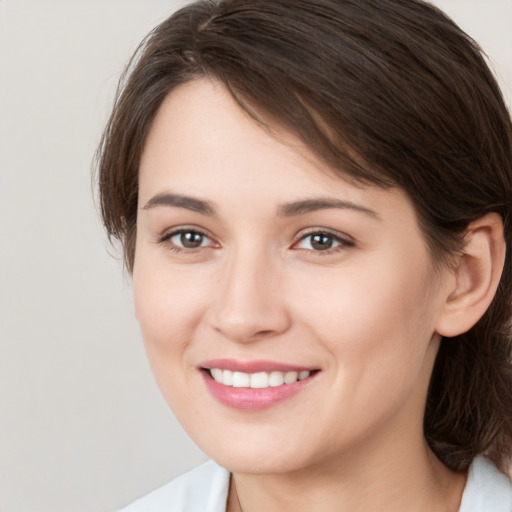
(392, 93)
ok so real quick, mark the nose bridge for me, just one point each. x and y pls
(250, 304)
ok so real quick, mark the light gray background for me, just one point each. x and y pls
(83, 427)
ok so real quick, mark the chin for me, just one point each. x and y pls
(260, 453)
(258, 463)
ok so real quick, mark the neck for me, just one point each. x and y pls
(400, 481)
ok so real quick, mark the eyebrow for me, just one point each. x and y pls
(292, 209)
(311, 205)
(180, 201)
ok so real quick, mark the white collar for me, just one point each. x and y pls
(205, 489)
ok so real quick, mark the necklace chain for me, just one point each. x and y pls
(237, 497)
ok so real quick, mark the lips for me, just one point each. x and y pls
(254, 385)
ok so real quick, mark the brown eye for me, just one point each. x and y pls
(321, 241)
(183, 239)
(191, 239)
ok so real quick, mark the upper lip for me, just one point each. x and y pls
(254, 366)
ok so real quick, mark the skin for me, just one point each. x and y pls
(365, 312)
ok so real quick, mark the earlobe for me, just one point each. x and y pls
(477, 275)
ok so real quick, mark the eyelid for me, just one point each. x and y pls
(167, 235)
(344, 240)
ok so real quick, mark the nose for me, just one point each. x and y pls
(250, 305)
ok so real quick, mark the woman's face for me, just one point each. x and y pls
(255, 264)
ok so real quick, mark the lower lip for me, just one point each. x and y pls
(250, 399)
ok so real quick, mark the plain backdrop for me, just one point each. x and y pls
(82, 425)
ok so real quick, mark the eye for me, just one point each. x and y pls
(186, 239)
(322, 241)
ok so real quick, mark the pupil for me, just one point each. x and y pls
(190, 239)
(321, 242)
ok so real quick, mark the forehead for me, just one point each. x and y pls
(203, 144)
(200, 122)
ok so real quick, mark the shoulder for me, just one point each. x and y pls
(487, 489)
(204, 489)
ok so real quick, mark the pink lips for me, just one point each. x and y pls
(249, 399)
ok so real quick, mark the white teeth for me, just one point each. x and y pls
(290, 377)
(276, 379)
(258, 380)
(227, 378)
(217, 374)
(241, 380)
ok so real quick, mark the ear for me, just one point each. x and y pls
(475, 277)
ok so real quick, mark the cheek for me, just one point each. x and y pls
(376, 321)
(169, 305)
(364, 301)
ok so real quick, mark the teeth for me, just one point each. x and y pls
(258, 380)
(276, 379)
(227, 377)
(290, 377)
(217, 374)
(241, 380)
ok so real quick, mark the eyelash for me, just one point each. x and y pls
(341, 242)
(166, 240)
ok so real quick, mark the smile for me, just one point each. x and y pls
(259, 380)
(256, 385)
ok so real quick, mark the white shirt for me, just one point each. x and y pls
(205, 489)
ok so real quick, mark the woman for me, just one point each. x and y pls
(314, 199)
